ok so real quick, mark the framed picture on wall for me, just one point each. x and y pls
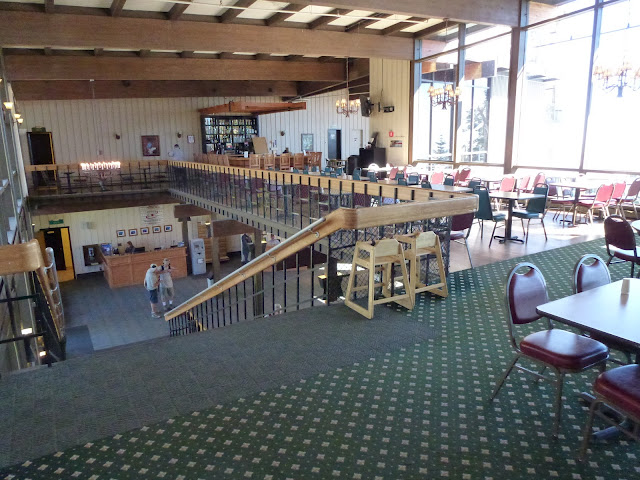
(120, 233)
(150, 146)
(307, 142)
(157, 229)
(168, 228)
(144, 231)
(133, 232)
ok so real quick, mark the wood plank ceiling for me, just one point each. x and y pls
(147, 48)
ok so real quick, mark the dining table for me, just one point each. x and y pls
(511, 198)
(578, 188)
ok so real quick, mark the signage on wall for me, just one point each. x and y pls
(151, 215)
(56, 222)
(396, 144)
(391, 133)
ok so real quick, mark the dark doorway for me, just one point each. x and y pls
(41, 151)
(53, 239)
(335, 144)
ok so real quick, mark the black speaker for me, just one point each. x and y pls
(365, 106)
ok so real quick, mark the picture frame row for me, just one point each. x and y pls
(133, 232)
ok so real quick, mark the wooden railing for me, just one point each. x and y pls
(186, 318)
(71, 179)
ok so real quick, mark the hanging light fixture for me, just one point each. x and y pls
(447, 95)
(346, 108)
(616, 71)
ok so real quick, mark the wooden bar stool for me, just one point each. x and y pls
(421, 244)
(269, 161)
(381, 256)
(285, 161)
(254, 160)
(298, 161)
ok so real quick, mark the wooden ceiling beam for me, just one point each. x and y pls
(323, 20)
(30, 67)
(499, 12)
(81, 89)
(116, 7)
(396, 28)
(433, 29)
(376, 17)
(177, 10)
(33, 29)
(232, 13)
(279, 18)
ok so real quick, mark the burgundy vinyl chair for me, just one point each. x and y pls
(619, 389)
(621, 241)
(630, 200)
(437, 178)
(600, 201)
(587, 276)
(590, 275)
(460, 223)
(559, 350)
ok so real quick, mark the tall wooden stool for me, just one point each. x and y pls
(383, 255)
(420, 244)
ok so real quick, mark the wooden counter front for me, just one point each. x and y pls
(122, 270)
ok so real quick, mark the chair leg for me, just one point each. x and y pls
(468, 252)
(504, 377)
(586, 435)
(495, 224)
(541, 373)
(481, 229)
(558, 403)
(526, 238)
(544, 229)
(524, 232)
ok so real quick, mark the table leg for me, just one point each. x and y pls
(508, 225)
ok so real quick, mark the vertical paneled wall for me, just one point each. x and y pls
(390, 83)
(100, 226)
(317, 119)
(85, 130)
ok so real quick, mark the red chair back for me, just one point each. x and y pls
(525, 292)
(524, 183)
(508, 184)
(539, 178)
(618, 233)
(462, 222)
(604, 193)
(618, 191)
(464, 174)
(393, 173)
(586, 277)
(437, 178)
(634, 189)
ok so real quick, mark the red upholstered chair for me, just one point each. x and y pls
(523, 184)
(600, 201)
(631, 199)
(592, 275)
(621, 241)
(587, 276)
(461, 176)
(619, 389)
(437, 178)
(393, 173)
(460, 223)
(539, 178)
(561, 351)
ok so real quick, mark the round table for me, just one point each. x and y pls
(636, 226)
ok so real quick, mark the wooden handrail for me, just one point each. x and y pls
(343, 218)
(76, 166)
(27, 257)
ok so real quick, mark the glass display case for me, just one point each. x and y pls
(228, 134)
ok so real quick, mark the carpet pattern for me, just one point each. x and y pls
(420, 411)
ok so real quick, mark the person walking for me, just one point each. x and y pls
(247, 245)
(176, 153)
(166, 285)
(151, 281)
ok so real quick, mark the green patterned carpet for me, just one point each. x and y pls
(419, 412)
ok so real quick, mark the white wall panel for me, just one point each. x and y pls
(390, 82)
(82, 128)
(99, 226)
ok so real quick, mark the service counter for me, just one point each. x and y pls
(130, 269)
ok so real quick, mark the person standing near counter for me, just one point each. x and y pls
(129, 248)
(247, 246)
(166, 285)
(151, 282)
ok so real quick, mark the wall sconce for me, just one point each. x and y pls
(20, 120)
(117, 135)
(8, 105)
(179, 134)
(17, 115)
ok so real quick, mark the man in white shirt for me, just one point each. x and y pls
(177, 154)
(272, 242)
(166, 285)
(151, 281)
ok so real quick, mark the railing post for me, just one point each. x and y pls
(258, 299)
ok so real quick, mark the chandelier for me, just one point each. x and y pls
(444, 96)
(625, 74)
(342, 108)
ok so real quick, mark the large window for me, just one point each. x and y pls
(553, 92)
(613, 127)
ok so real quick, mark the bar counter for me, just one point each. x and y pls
(130, 269)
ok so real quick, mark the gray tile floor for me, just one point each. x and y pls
(121, 388)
